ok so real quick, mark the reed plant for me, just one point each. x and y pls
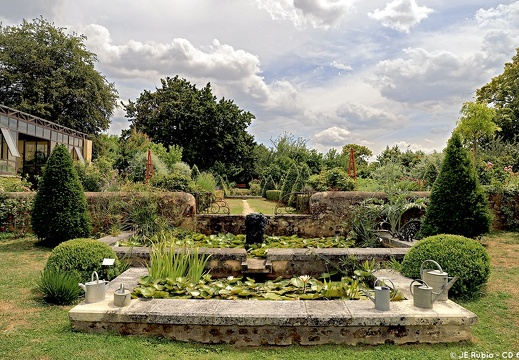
(168, 261)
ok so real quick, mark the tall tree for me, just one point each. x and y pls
(51, 74)
(213, 134)
(360, 152)
(475, 124)
(458, 203)
(502, 92)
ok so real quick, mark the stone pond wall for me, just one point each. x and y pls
(330, 212)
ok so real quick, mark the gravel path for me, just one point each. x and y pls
(246, 208)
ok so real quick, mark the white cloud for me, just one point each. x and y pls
(323, 13)
(501, 16)
(404, 145)
(429, 76)
(401, 15)
(357, 116)
(339, 65)
(320, 14)
(333, 136)
(233, 73)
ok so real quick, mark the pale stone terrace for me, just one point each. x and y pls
(263, 322)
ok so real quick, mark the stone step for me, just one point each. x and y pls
(256, 266)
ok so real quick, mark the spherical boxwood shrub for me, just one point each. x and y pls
(457, 255)
(81, 257)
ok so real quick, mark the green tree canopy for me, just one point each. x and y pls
(502, 92)
(50, 74)
(475, 124)
(360, 152)
(212, 134)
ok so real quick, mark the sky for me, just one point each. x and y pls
(376, 73)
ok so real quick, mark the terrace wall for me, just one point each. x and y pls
(330, 212)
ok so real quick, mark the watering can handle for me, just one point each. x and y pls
(97, 276)
(418, 281)
(383, 280)
(432, 261)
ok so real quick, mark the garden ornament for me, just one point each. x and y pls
(382, 294)
(436, 278)
(95, 290)
(423, 294)
(122, 297)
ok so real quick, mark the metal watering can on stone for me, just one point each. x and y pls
(382, 294)
(424, 295)
(436, 278)
(95, 290)
(122, 297)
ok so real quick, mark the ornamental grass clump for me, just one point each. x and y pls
(58, 287)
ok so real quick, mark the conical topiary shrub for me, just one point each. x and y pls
(60, 210)
(458, 204)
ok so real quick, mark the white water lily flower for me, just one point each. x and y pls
(304, 278)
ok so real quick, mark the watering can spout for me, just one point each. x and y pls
(445, 288)
(368, 295)
(82, 286)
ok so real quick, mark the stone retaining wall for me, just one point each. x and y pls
(330, 213)
(286, 263)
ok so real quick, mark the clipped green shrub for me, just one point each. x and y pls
(458, 203)
(14, 184)
(60, 211)
(457, 255)
(81, 257)
(58, 287)
(331, 179)
(273, 195)
(173, 182)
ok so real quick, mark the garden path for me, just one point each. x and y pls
(246, 208)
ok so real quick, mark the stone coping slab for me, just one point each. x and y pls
(257, 322)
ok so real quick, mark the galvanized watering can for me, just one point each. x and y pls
(382, 294)
(122, 297)
(95, 290)
(436, 278)
(424, 295)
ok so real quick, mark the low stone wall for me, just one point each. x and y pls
(280, 225)
(330, 213)
(286, 263)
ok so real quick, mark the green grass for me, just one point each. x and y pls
(258, 205)
(262, 206)
(32, 329)
(235, 205)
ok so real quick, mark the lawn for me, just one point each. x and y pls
(258, 205)
(31, 329)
